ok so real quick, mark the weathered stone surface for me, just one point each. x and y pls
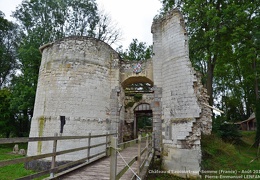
(84, 79)
(183, 114)
(76, 79)
(22, 151)
(16, 149)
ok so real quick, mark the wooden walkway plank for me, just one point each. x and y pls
(100, 170)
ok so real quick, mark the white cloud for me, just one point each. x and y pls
(8, 6)
(133, 17)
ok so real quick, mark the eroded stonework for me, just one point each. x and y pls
(184, 114)
(85, 80)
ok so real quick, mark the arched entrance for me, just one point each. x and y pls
(143, 120)
(138, 96)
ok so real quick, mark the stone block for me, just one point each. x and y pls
(83, 79)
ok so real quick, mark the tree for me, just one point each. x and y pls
(7, 121)
(106, 29)
(224, 47)
(52, 20)
(203, 19)
(218, 41)
(136, 51)
(24, 86)
(8, 63)
(41, 22)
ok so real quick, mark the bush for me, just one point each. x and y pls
(138, 97)
(229, 133)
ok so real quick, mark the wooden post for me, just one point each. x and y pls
(135, 128)
(107, 144)
(153, 139)
(113, 158)
(109, 147)
(54, 148)
(147, 146)
(89, 139)
(139, 154)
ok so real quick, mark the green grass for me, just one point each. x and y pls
(12, 171)
(219, 155)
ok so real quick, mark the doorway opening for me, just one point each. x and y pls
(143, 122)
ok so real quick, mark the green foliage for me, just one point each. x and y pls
(216, 151)
(41, 22)
(168, 5)
(257, 115)
(7, 121)
(224, 47)
(225, 130)
(138, 97)
(23, 86)
(8, 63)
(144, 121)
(136, 51)
(220, 155)
(229, 133)
(52, 20)
(129, 104)
(217, 123)
(22, 102)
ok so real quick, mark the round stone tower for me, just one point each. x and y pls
(73, 98)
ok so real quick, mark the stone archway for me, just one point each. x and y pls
(138, 97)
(143, 122)
(129, 76)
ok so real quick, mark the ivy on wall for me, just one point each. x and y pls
(137, 98)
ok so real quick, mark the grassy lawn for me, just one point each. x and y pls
(12, 171)
(219, 155)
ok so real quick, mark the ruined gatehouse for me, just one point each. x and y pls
(85, 87)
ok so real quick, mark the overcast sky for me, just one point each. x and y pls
(133, 17)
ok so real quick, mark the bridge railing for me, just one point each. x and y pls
(54, 169)
(116, 148)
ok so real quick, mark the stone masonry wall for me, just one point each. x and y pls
(183, 114)
(76, 79)
(128, 76)
(83, 79)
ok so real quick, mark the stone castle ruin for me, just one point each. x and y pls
(85, 87)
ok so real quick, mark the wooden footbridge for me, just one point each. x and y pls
(127, 160)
